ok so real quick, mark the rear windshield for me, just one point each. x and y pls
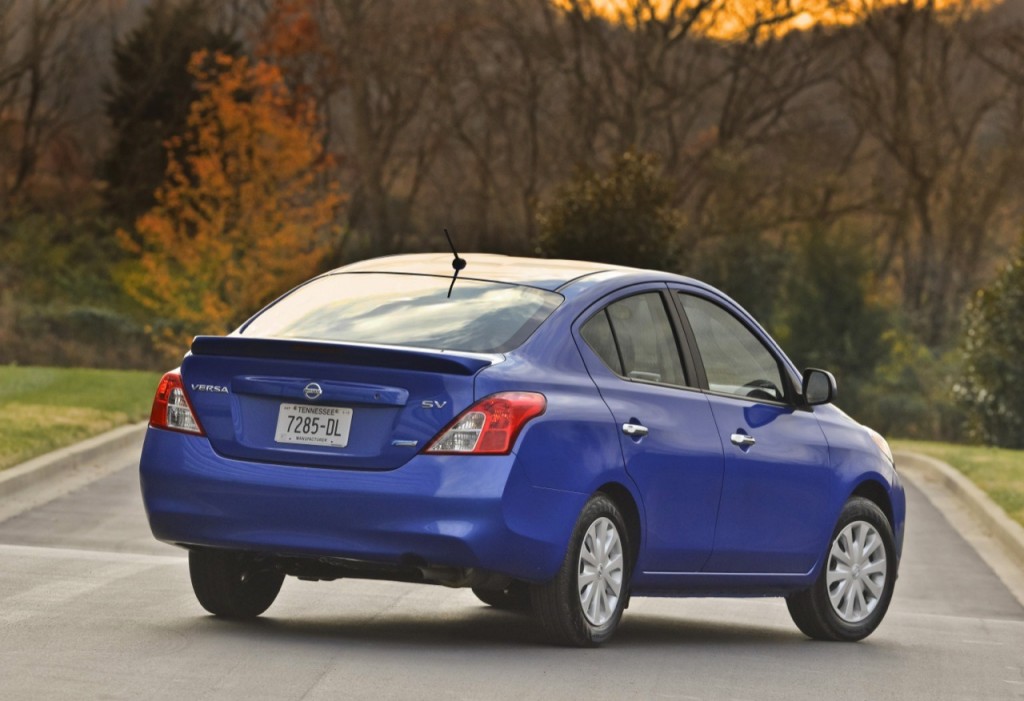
(408, 310)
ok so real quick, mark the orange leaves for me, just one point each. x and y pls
(289, 30)
(245, 211)
(291, 39)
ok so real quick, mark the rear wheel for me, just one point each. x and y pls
(583, 604)
(514, 597)
(232, 584)
(851, 595)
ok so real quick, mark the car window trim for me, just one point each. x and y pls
(693, 363)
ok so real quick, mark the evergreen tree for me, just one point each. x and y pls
(830, 316)
(148, 101)
(744, 264)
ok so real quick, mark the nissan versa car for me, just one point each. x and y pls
(559, 436)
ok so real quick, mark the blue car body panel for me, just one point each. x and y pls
(850, 449)
(432, 510)
(677, 468)
(711, 517)
(775, 493)
(387, 397)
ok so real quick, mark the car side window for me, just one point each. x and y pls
(634, 338)
(598, 334)
(735, 360)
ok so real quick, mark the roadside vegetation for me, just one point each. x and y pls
(851, 172)
(42, 409)
(997, 471)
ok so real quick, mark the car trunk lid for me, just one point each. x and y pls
(373, 407)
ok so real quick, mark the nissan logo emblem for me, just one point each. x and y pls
(312, 391)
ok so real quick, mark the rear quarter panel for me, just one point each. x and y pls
(572, 447)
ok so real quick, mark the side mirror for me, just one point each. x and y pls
(819, 387)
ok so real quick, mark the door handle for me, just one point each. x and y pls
(742, 439)
(635, 430)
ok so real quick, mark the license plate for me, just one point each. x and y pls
(313, 425)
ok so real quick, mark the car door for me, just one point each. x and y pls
(777, 475)
(671, 447)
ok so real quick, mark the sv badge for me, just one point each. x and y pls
(432, 404)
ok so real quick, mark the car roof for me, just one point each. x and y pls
(545, 273)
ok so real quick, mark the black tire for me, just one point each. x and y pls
(232, 584)
(558, 603)
(515, 597)
(812, 609)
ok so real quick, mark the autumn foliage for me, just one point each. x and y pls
(246, 213)
(290, 38)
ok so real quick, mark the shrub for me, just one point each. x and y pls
(992, 383)
(74, 336)
(622, 217)
(908, 396)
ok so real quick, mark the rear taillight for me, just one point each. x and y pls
(489, 427)
(171, 408)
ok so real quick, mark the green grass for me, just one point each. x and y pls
(999, 472)
(42, 409)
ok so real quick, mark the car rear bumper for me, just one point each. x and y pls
(453, 511)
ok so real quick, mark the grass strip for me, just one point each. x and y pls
(42, 409)
(997, 471)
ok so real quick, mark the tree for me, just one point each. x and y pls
(385, 105)
(243, 212)
(945, 147)
(503, 116)
(992, 384)
(621, 217)
(40, 44)
(831, 316)
(148, 102)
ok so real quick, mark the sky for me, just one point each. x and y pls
(733, 16)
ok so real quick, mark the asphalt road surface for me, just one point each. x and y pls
(92, 607)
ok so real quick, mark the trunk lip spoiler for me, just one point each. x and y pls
(377, 355)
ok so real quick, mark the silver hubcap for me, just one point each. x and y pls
(856, 571)
(600, 571)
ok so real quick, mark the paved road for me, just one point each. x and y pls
(91, 607)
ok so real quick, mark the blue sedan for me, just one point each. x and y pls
(560, 436)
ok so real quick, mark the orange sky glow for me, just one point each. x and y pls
(733, 17)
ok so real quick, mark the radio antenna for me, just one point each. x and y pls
(457, 263)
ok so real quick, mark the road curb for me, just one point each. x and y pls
(1008, 532)
(68, 461)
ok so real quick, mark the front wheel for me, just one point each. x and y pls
(583, 604)
(232, 584)
(851, 595)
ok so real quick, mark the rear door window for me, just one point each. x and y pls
(598, 334)
(634, 338)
